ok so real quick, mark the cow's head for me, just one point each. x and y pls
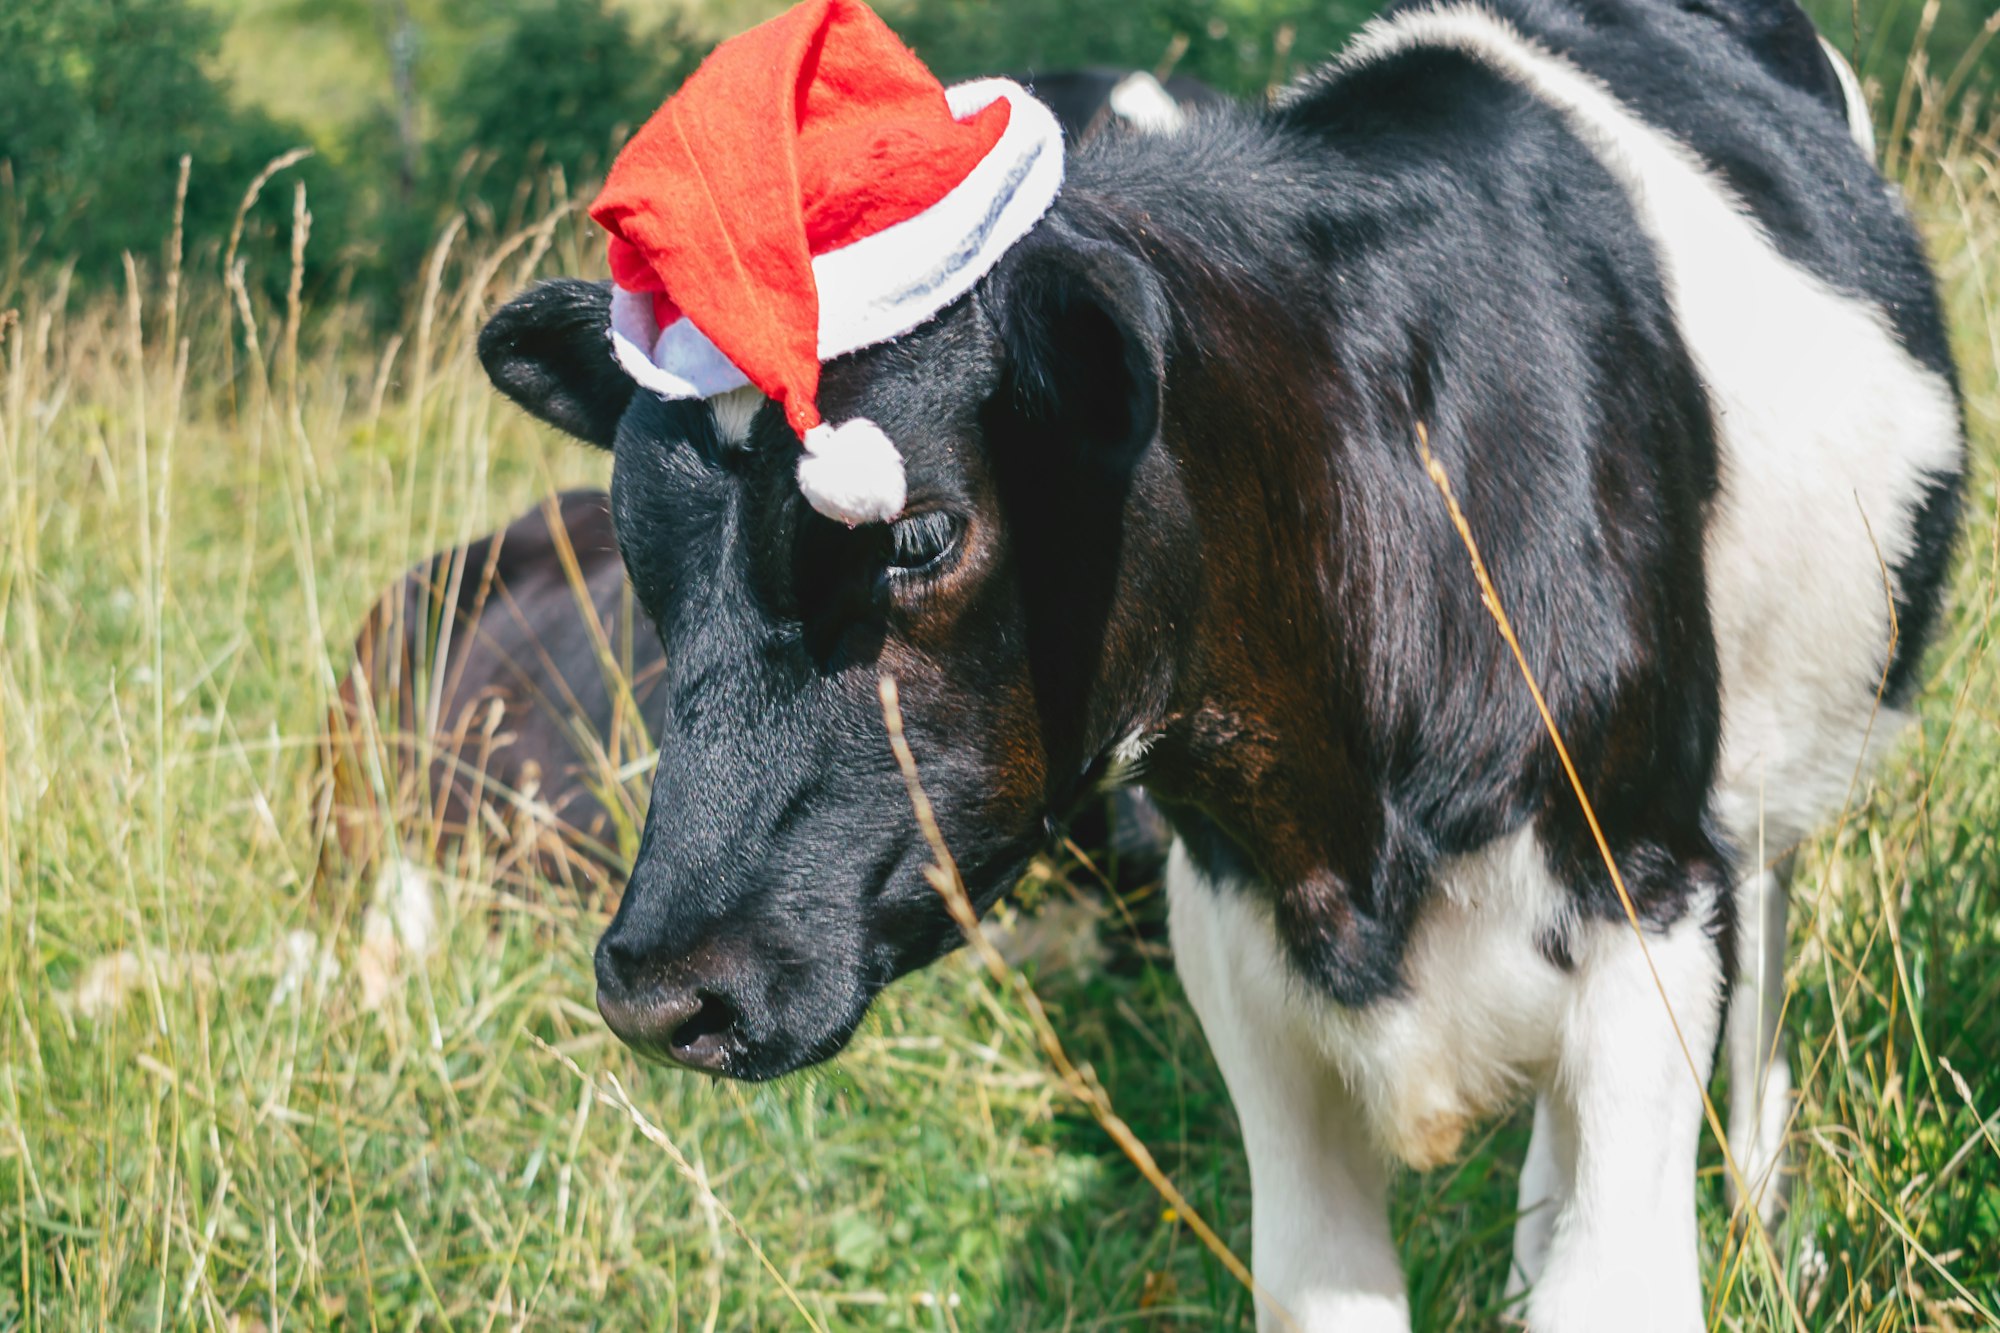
(1017, 603)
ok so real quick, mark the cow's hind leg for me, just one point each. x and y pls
(1760, 1075)
(1320, 1242)
(1623, 1254)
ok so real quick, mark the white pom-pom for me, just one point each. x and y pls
(852, 473)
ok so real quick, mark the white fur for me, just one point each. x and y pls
(852, 473)
(1482, 1003)
(1760, 1076)
(1128, 756)
(1544, 1187)
(888, 283)
(1823, 419)
(1319, 1223)
(1860, 121)
(1328, 1096)
(1141, 102)
(1627, 1108)
(734, 411)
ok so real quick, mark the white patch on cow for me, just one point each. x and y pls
(1544, 1189)
(1477, 1020)
(1327, 1095)
(1319, 1222)
(1829, 432)
(1860, 120)
(1128, 756)
(1626, 1108)
(1142, 102)
(734, 412)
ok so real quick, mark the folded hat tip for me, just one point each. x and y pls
(852, 473)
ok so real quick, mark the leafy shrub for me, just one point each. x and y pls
(102, 97)
(1239, 46)
(563, 91)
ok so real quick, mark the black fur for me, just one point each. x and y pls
(549, 350)
(1448, 231)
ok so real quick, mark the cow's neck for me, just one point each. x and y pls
(1257, 750)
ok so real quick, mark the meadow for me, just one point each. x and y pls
(225, 1103)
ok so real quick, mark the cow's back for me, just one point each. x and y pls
(1798, 286)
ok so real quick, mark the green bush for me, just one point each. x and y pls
(566, 87)
(523, 102)
(1239, 46)
(102, 98)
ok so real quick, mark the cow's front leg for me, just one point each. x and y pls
(1320, 1242)
(1623, 1255)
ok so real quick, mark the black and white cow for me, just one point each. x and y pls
(1675, 343)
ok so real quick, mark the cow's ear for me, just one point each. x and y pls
(549, 349)
(1082, 324)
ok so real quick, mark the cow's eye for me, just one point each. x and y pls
(922, 542)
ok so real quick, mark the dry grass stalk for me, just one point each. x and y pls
(943, 876)
(1489, 595)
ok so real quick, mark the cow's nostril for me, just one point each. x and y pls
(703, 1038)
(664, 1017)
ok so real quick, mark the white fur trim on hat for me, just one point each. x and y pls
(675, 362)
(888, 283)
(852, 473)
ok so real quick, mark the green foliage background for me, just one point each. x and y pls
(98, 101)
(419, 111)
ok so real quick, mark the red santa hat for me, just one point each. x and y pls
(812, 190)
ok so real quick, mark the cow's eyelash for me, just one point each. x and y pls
(921, 542)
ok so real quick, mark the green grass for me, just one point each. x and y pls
(183, 555)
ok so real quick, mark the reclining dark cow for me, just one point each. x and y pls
(498, 691)
(1674, 343)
